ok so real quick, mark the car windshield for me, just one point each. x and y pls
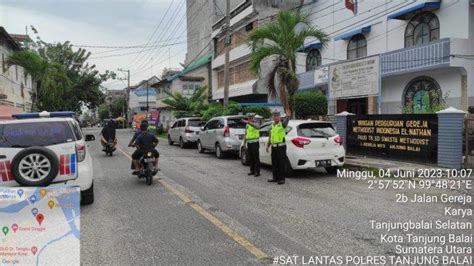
(316, 130)
(235, 123)
(195, 123)
(23, 135)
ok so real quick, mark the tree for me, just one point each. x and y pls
(182, 105)
(310, 103)
(65, 81)
(118, 106)
(103, 112)
(280, 39)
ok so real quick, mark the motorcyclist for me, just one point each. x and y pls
(108, 133)
(145, 142)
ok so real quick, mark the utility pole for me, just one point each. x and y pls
(227, 42)
(125, 110)
(147, 97)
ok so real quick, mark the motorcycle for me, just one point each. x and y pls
(147, 163)
(110, 147)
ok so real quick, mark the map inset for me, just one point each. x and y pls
(40, 226)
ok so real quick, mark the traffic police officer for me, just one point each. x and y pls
(276, 139)
(252, 134)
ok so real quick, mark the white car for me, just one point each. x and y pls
(185, 131)
(309, 144)
(42, 149)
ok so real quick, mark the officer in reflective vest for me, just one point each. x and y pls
(276, 140)
(252, 135)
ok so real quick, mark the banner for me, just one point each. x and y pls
(39, 226)
(405, 137)
(356, 78)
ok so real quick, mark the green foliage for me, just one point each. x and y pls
(310, 103)
(280, 39)
(259, 110)
(160, 130)
(118, 106)
(64, 79)
(217, 109)
(186, 106)
(103, 112)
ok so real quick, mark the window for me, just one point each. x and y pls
(316, 130)
(357, 47)
(34, 134)
(3, 63)
(77, 130)
(237, 74)
(313, 60)
(236, 122)
(422, 95)
(16, 72)
(422, 28)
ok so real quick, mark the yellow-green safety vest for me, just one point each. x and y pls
(251, 133)
(277, 133)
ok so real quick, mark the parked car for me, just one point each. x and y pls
(185, 131)
(309, 144)
(42, 149)
(222, 134)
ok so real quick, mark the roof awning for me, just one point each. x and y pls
(309, 46)
(349, 34)
(409, 12)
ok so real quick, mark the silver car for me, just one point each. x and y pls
(185, 131)
(222, 134)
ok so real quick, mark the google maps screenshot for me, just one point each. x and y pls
(236, 132)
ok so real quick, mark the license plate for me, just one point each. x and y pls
(147, 160)
(323, 163)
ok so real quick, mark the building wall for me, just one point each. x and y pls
(12, 80)
(389, 35)
(200, 15)
(386, 35)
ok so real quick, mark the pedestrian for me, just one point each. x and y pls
(276, 139)
(252, 135)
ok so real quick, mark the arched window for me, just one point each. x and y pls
(313, 60)
(357, 47)
(421, 95)
(422, 28)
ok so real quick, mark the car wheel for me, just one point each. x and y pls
(170, 142)
(244, 158)
(199, 147)
(87, 196)
(219, 153)
(331, 170)
(181, 143)
(288, 169)
(35, 166)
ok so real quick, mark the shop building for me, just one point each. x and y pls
(391, 56)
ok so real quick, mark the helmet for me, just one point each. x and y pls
(144, 125)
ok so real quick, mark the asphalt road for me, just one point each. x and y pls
(208, 211)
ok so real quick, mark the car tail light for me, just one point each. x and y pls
(300, 142)
(81, 152)
(226, 131)
(188, 130)
(338, 139)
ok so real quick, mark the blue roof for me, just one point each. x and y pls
(261, 104)
(142, 91)
(423, 6)
(348, 34)
(309, 46)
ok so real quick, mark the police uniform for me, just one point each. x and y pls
(252, 135)
(278, 144)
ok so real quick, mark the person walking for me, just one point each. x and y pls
(252, 135)
(276, 139)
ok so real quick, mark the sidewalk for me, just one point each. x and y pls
(359, 161)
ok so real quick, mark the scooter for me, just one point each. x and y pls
(110, 147)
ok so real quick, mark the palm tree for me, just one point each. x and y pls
(280, 39)
(186, 105)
